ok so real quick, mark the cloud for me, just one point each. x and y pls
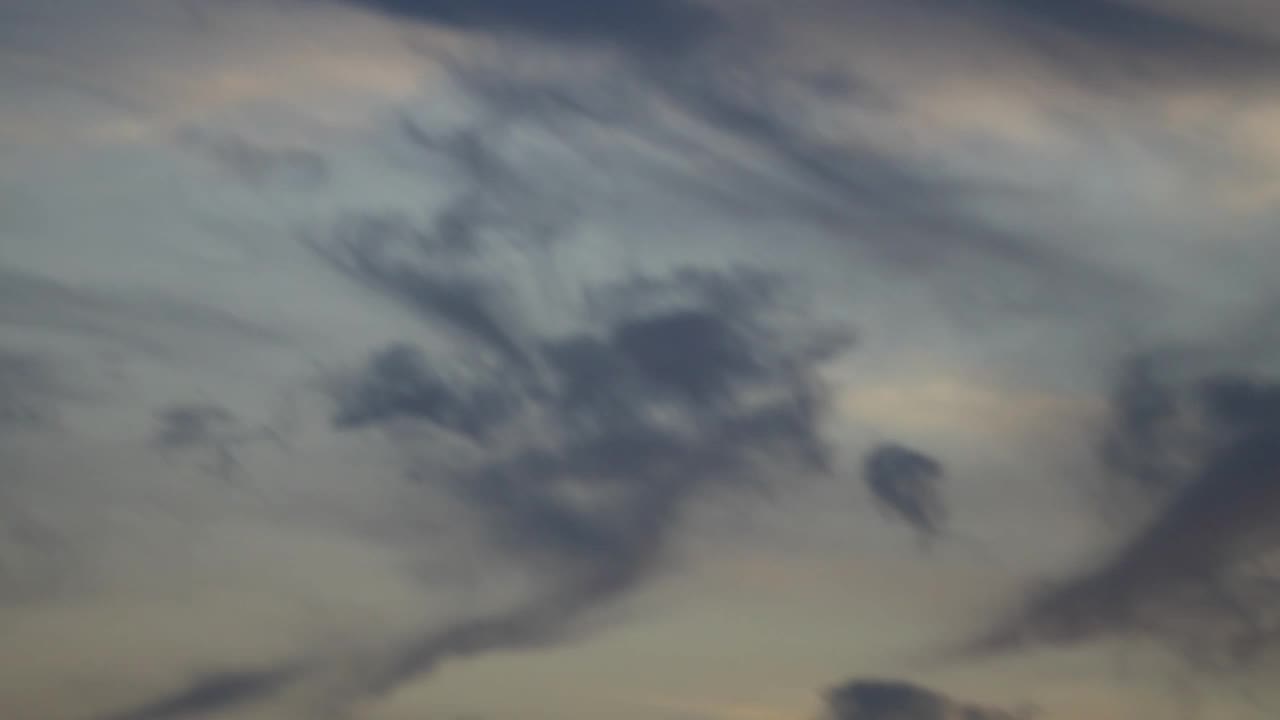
(572, 429)
(257, 164)
(884, 200)
(26, 389)
(690, 353)
(1201, 572)
(442, 269)
(1123, 43)
(150, 322)
(649, 25)
(398, 383)
(905, 482)
(660, 408)
(436, 291)
(211, 694)
(1143, 440)
(1127, 25)
(874, 699)
(210, 429)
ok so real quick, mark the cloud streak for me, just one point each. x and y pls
(1197, 573)
(210, 695)
(648, 25)
(876, 699)
(662, 409)
(548, 296)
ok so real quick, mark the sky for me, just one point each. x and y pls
(641, 359)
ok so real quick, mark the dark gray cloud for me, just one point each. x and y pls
(211, 694)
(439, 291)
(211, 430)
(650, 25)
(736, 292)
(1110, 42)
(905, 482)
(876, 699)
(399, 383)
(1133, 25)
(643, 478)
(676, 384)
(437, 269)
(651, 412)
(1120, 22)
(1241, 405)
(691, 353)
(587, 444)
(1139, 441)
(1200, 573)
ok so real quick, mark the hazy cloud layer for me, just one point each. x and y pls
(529, 326)
(27, 391)
(210, 430)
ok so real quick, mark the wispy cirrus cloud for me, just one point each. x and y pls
(547, 326)
(1199, 573)
(656, 26)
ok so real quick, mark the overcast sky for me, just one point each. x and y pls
(639, 359)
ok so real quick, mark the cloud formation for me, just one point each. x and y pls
(905, 482)
(651, 25)
(210, 695)
(209, 429)
(660, 409)
(544, 330)
(873, 699)
(1200, 573)
(26, 384)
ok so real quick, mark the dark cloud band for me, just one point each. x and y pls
(650, 25)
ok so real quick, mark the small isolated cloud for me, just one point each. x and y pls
(905, 482)
(874, 699)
